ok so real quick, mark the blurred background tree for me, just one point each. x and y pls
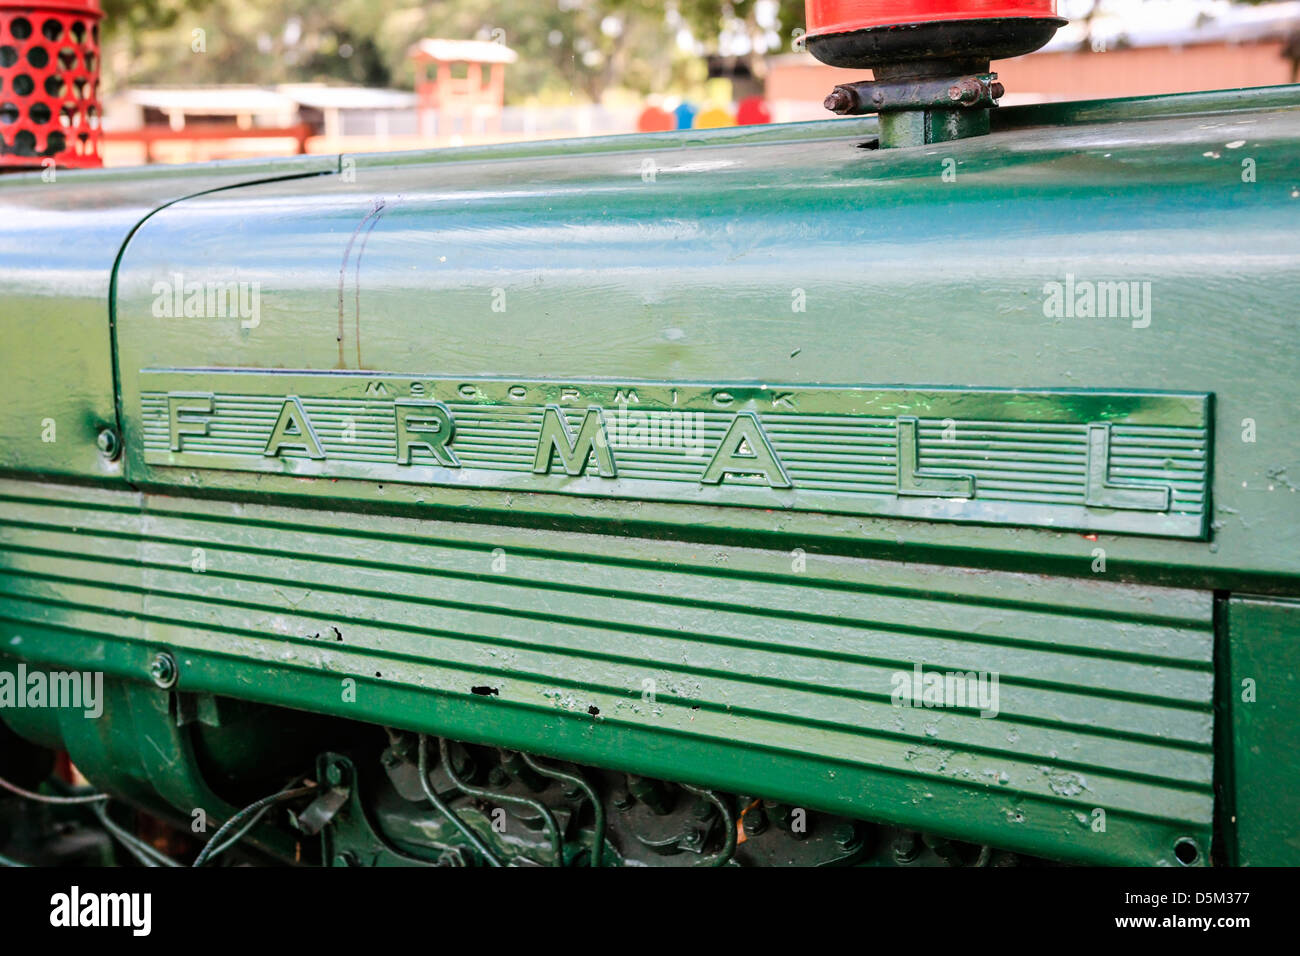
(749, 30)
(568, 48)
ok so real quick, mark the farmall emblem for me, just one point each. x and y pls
(1089, 460)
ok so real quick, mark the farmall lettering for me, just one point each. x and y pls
(1128, 462)
(431, 426)
(744, 450)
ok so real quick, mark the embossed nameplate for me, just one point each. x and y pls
(1135, 462)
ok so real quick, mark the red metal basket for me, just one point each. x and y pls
(49, 83)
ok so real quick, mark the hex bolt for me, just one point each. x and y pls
(336, 774)
(163, 670)
(845, 836)
(110, 446)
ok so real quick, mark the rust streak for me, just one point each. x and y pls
(343, 271)
(378, 214)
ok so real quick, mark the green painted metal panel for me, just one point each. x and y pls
(59, 242)
(1262, 703)
(784, 258)
(718, 666)
(901, 304)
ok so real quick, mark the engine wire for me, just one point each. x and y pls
(217, 845)
(98, 803)
(142, 851)
(57, 801)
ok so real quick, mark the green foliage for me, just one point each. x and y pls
(141, 15)
(707, 18)
(567, 48)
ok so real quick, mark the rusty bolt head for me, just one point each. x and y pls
(967, 91)
(997, 89)
(840, 101)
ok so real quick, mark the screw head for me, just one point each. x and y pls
(108, 443)
(163, 670)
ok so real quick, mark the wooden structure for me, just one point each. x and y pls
(460, 84)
